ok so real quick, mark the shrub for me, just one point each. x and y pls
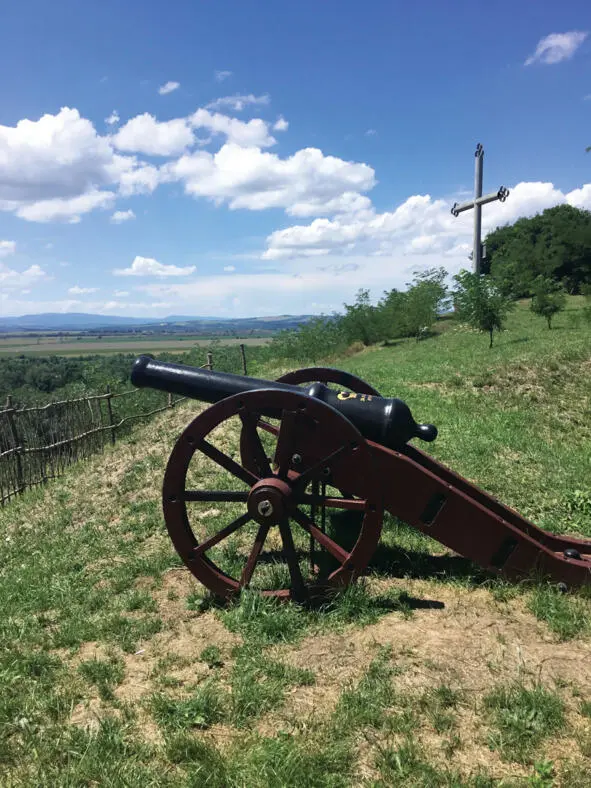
(479, 302)
(548, 298)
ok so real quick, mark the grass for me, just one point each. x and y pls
(105, 674)
(522, 718)
(256, 685)
(567, 615)
(117, 669)
(203, 708)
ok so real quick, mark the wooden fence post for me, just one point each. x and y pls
(209, 361)
(20, 479)
(243, 354)
(110, 414)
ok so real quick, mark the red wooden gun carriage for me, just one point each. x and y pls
(306, 452)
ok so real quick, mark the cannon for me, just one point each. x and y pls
(292, 477)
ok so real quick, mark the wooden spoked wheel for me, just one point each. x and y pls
(300, 377)
(328, 375)
(258, 527)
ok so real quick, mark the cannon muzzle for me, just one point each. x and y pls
(380, 419)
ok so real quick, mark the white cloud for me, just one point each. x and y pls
(420, 225)
(56, 168)
(142, 179)
(295, 289)
(580, 198)
(557, 47)
(122, 216)
(59, 168)
(121, 294)
(249, 178)
(68, 210)
(254, 133)
(31, 276)
(370, 133)
(110, 305)
(238, 102)
(229, 268)
(145, 134)
(56, 156)
(168, 88)
(81, 290)
(147, 266)
(221, 76)
(7, 247)
(113, 118)
(280, 124)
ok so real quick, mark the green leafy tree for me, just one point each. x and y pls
(362, 322)
(318, 338)
(548, 298)
(424, 297)
(555, 244)
(413, 312)
(392, 313)
(478, 301)
(313, 340)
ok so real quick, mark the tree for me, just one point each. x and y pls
(479, 302)
(548, 298)
(392, 312)
(414, 311)
(555, 244)
(361, 321)
(424, 297)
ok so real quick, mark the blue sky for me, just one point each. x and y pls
(264, 158)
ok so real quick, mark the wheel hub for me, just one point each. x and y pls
(269, 501)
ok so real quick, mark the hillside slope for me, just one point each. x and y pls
(116, 669)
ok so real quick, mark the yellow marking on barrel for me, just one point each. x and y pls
(344, 395)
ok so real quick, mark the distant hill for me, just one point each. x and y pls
(80, 321)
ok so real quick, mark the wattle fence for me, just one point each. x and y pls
(38, 443)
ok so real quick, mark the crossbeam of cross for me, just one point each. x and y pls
(476, 204)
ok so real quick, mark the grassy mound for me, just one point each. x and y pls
(116, 669)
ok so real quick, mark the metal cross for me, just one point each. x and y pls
(477, 204)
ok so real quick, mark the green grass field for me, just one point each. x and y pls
(117, 669)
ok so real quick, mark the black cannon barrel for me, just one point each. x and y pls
(380, 419)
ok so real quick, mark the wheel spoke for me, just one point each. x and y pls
(249, 425)
(315, 496)
(229, 529)
(285, 443)
(254, 554)
(216, 496)
(228, 463)
(305, 477)
(333, 548)
(271, 428)
(353, 504)
(289, 551)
